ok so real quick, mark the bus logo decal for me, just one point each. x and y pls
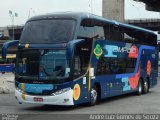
(98, 51)
(110, 49)
(124, 49)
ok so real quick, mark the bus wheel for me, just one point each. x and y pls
(139, 92)
(145, 87)
(94, 96)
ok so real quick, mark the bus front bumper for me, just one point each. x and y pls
(61, 99)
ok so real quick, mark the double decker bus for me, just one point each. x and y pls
(74, 58)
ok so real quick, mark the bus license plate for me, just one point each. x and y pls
(38, 99)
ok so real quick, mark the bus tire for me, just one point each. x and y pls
(94, 95)
(139, 89)
(145, 88)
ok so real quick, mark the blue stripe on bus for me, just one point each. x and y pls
(36, 88)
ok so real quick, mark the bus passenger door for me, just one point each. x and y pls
(80, 71)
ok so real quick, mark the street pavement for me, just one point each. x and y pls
(127, 104)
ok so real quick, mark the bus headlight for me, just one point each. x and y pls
(61, 91)
(19, 90)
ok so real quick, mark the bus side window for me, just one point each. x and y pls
(80, 65)
(99, 32)
(77, 67)
(82, 57)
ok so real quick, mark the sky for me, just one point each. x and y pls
(29, 8)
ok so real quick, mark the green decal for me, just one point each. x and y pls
(98, 51)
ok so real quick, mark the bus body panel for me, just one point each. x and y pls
(36, 90)
(145, 60)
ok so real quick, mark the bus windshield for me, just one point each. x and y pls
(48, 31)
(43, 64)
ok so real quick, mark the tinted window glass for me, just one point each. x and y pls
(100, 29)
(43, 64)
(91, 29)
(86, 32)
(115, 66)
(48, 31)
(129, 35)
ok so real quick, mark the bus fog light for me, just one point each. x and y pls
(66, 100)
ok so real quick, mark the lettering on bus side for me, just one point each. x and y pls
(111, 49)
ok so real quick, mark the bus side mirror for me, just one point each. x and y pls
(6, 45)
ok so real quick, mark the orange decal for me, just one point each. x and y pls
(23, 96)
(133, 52)
(133, 81)
(76, 92)
(149, 67)
(22, 86)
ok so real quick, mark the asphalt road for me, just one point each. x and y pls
(127, 104)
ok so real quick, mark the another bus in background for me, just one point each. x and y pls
(8, 64)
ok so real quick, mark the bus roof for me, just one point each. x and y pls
(83, 15)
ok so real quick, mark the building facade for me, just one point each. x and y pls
(113, 9)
